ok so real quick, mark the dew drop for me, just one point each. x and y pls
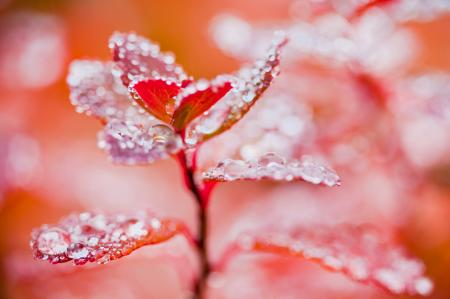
(423, 286)
(234, 169)
(170, 107)
(202, 84)
(270, 159)
(78, 251)
(136, 230)
(249, 96)
(53, 241)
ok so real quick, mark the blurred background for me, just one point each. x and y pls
(50, 165)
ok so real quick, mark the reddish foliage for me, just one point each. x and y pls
(194, 104)
(360, 252)
(97, 238)
(156, 96)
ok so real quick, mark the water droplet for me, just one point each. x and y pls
(78, 251)
(53, 241)
(423, 286)
(136, 230)
(234, 169)
(358, 269)
(202, 84)
(390, 279)
(271, 159)
(249, 96)
(170, 107)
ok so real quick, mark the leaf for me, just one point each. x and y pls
(89, 237)
(139, 58)
(248, 86)
(198, 98)
(95, 91)
(359, 252)
(156, 96)
(131, 143)
(272, 166)
(368, 5)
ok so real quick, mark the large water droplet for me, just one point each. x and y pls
(170, 107)
(233, 169)
(136, 230)
(270, 159)
(53, 241)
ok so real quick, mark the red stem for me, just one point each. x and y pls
(201, 196)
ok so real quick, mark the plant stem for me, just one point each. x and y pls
(201, 198)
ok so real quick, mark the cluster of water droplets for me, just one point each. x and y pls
(136, 56)
(134, 143)
(95, 91)
(275, 167)
(89, 237)
(248, 85)
(359, 252)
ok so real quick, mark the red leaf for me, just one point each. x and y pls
(138, 58)
(198, 98)
(272, 166)
(97, 238)
(359, 252)
(156, 96)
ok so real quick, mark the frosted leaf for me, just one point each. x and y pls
(359, 252)
(272, 166)
(89, 237)
(137, 58)
(248, 86)
(95, 91)
(138, 143)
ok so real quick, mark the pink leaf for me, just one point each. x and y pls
(359, 252)
(273, 166)
(156, 96)
(198, 98)
(138, 58)
(95, 91)
(132, 143)
(97, 238)
(248, 86)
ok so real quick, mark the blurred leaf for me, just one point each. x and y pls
(359, 252)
